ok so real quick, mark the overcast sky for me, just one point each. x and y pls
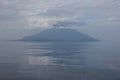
(98, 18)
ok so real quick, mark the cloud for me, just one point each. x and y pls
(34, 14)
(59, 9)
(114, 19)
(90, 11)
(69, 23)
(44, 21)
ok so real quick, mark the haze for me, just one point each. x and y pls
(97, 18)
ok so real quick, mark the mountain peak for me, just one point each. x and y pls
(59, 34)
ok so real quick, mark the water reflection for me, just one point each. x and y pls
(57, 61)
(57, 53)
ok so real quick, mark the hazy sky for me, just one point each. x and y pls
(98, 18)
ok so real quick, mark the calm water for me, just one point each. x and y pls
(59, 60)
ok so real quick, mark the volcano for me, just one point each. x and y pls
(59, 34)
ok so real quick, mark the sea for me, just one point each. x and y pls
(59, 60)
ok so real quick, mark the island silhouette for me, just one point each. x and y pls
(59, 34)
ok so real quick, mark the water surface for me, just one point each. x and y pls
(59, 60)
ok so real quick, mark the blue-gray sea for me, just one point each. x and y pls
(99, 60)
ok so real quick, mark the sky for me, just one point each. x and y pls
(97, 18)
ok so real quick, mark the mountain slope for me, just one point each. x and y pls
(55, 34)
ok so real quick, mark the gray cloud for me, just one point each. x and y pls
(15, 15)
(69, 23)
